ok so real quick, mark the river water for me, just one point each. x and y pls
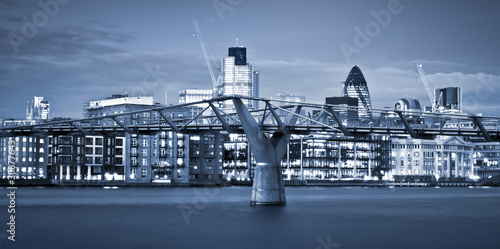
(314, 217)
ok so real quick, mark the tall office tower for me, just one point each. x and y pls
(237, 77)
(448, 99)
(38, 109)
(355, 86)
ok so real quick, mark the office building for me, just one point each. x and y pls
(336, 157)
(355, 86)
(162, 157)
(194, 95)
(29, 158)
(447, 157)
(238, 78)
(38, 109)
(448, 100)
(238, 160)
(117, 103)
(486, 158)
(323, 157)
(348, 107)
(30, 152)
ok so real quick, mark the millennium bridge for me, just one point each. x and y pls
(268, 129)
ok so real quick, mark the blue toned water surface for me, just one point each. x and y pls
(314, 217)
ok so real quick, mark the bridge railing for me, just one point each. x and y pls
(300, 117)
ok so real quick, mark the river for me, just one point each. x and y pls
(314, 217)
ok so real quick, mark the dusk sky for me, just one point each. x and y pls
(83, 49)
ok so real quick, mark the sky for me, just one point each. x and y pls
(71, 51)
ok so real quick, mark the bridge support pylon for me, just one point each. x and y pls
(268, 187)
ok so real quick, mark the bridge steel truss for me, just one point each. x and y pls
(296, 117)
(268, 130)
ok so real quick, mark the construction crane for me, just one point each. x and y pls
(425, 80)
(204, 49)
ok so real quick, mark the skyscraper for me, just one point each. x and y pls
(38, 109)
(237, 77)
(355, 86)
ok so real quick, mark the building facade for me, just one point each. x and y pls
(28, 153)
(38, 109)
(449, 157)
(486, 158)
(448, 100)
(194, 95)
(161, 157)
(238, 78)
(349, 111)
(355, 86)
(315, 157)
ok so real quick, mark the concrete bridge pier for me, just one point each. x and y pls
(268, 187)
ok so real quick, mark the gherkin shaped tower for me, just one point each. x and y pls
(355, 86)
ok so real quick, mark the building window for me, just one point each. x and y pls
(119, 142)
(89, 141)
(98, 151)
(133, 161)
(89, 150)
(144, 173)
(41, 150)
(144, 162)
(144, 152)
(162, 152)
(144, 142)
(98, 141)
(41, 140)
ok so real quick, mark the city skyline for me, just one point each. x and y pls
(90, 49)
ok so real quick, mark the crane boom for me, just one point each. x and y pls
(204, 50)
(425, 79)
